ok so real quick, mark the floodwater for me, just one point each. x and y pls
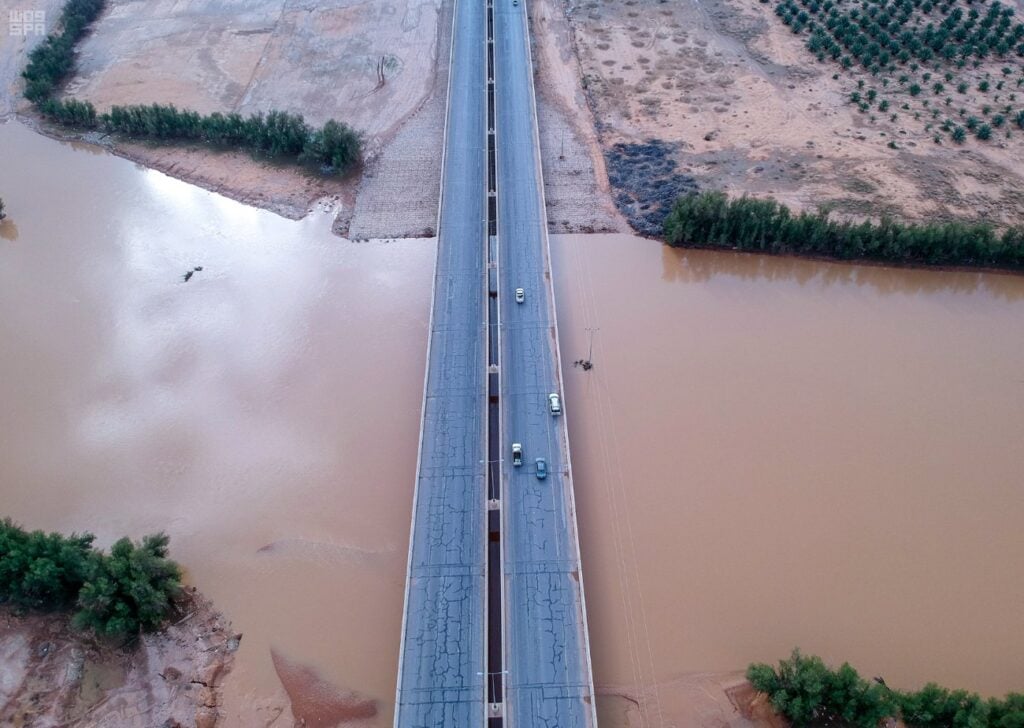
(769, 453)
(265, 414)
(772, 453)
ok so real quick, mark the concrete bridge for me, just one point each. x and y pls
(494, 630)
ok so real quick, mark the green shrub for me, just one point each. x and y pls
(130, 589)
(333, 148)
(711, 219)
(51, 61)
(807, 692)
(40, 570)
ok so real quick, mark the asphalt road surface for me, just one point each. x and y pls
(548, 678)
(441, 663)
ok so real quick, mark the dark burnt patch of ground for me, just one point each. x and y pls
(646, 182)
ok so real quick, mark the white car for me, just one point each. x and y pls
(520, 295)
(554, 404)
(517, 454)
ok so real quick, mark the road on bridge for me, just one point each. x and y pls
(441, 661)
(538, 631)
(548, 679)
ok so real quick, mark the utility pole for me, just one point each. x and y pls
(590, 352)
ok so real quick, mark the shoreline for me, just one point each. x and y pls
(339, 194)
(173, 676)
(291, 202)
(901, 265)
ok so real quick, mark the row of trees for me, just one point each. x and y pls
(334, 148)
(130, 589)
(808, 693)
(880, 34)
(52, 60)
(711, 219)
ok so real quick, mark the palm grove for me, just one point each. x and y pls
(333, 148)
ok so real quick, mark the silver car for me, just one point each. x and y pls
(554, 404)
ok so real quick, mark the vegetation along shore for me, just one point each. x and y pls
(333, 148)
(809, 693)
(710, 219)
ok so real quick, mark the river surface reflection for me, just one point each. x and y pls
(769, 452)
(265, 413)
(773, 452)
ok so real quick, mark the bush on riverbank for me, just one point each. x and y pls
(130, 589)
(51, 61)
(334, 148)
(711, 219)
(807, 692)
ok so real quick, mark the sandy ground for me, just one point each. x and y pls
(751, 112)
(51, 675)
(371, 65)
(575, 182)
(386, 66)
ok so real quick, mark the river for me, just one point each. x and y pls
(774, 453)
(264, 414)
(769, 453)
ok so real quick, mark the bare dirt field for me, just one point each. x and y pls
(576, 186)
(380, 67)
(52, 675)
(742, 106)
(371, 65)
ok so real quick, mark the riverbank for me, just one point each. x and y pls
(51, 674)
(286, 190)
(383, 75)
(388, 80)
(742, 106)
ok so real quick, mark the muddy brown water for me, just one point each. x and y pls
(768, 452)
(265, 414)
(772, 453)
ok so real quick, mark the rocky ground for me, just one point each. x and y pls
(738, 103)
(52, 675)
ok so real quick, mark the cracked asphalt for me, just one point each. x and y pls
(441, 681)
(548, 678)
(547, 658)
